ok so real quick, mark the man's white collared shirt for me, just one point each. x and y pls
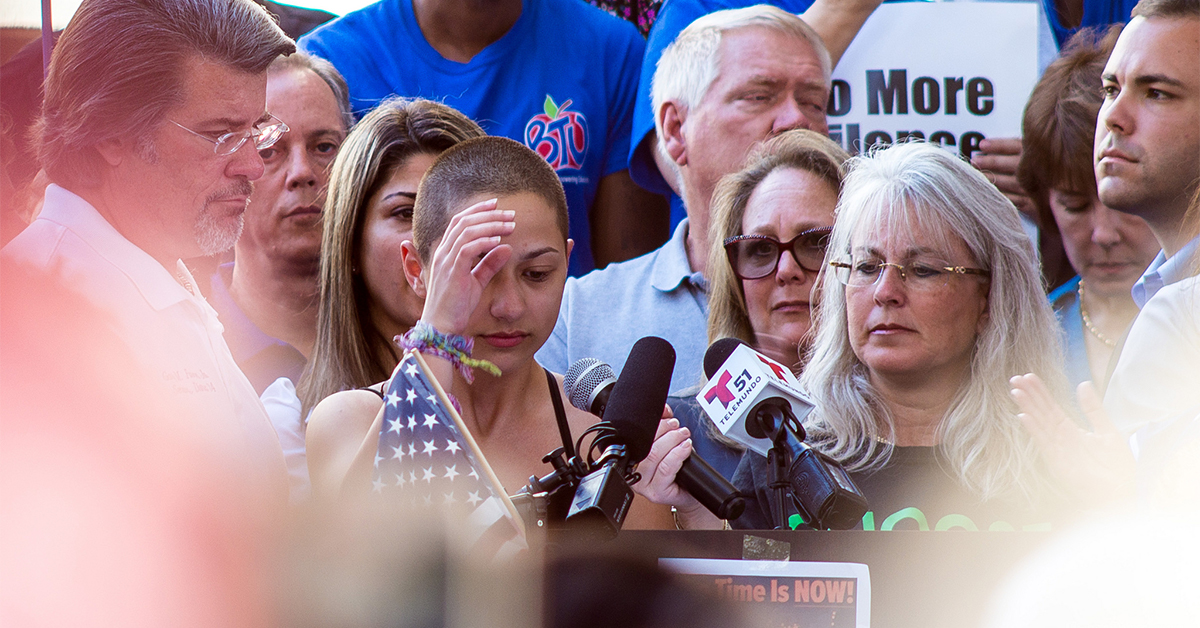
(169, 328)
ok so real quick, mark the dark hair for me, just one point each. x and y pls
(491, 165)
(350, 351)
(326, 72)
(1167, 9)
(1059, 126)
(119, 67)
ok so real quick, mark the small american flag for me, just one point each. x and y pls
(425, 458)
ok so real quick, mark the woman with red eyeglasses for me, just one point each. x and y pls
(770, 224)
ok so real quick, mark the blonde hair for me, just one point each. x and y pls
(688, 66)
(918, 187)
(798, 149)
(349, 351)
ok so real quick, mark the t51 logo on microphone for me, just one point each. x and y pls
(744, 379)
(721, 391)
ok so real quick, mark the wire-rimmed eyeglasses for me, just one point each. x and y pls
(757, 256)
(265, 135)
(919, 275)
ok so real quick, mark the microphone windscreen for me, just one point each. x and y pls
(584, 380)
(717, 353)
(637, 400)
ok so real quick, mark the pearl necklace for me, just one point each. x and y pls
(1087, 321)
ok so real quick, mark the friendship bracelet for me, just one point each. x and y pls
(457, 349)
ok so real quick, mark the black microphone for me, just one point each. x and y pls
(589, 383)
(625, 436)
(636, 404)
(717, 353)
(822, 490)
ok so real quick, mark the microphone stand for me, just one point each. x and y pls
(779, 458)
(822, 492)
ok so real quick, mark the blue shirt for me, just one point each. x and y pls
(1065, 301)
(604, 312)
(262, 357)
(1095, 13)
(1164, 272)
(562, 80)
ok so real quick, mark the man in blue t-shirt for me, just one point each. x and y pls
(558, 75)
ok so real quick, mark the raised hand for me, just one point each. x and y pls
(998, 159)
(466, 259)
(1095, 466)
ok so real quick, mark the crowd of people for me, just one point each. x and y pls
(491, 186)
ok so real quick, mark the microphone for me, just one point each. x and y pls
(631, 417)
(589, 383)
(739, 378)
(636, 404)
(757, 402)
(717, 353)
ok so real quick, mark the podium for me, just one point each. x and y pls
(926, 579)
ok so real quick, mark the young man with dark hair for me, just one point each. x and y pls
(1148, 164)
(1148, 133)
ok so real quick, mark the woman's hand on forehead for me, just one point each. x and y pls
(467, 258)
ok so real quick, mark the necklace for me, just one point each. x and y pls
(1087, 321)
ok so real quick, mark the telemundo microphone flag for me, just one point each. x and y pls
(428, 458)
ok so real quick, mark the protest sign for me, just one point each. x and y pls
(952, 73)
(785, 593)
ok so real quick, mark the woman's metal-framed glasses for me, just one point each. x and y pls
(265, 135)
(757, 256)
(918, 275)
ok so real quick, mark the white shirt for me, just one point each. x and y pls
(284, 407)
(1158, 373)
(170, 330)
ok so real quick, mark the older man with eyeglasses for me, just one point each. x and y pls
(153, 120)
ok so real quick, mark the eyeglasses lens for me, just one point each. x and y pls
(755, 258)
(264, 137)
(268, 135)
(918, 275)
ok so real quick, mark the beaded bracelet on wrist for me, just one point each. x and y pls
(457, 349)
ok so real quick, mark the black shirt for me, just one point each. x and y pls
(913, 491)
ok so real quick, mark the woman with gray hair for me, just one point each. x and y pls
(931, 300)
